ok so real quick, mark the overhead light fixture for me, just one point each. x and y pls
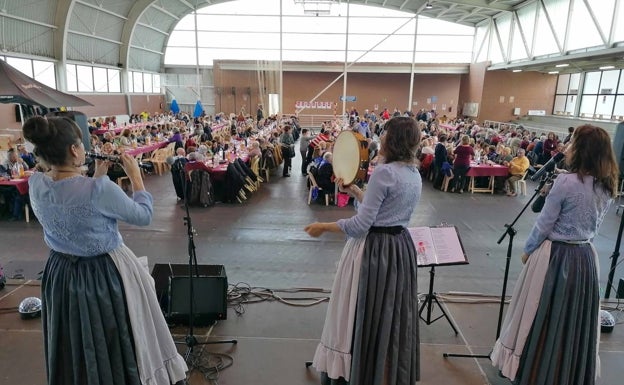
(428, 6)
(517, 70)
(607, 67)
(553, 72)
(316, 7)
(562, 65)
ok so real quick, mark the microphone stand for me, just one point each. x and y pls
(511, 231)
(190, 340)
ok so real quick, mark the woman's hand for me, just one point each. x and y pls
(315, 229)
(351, 189)
(524, 257)
(101, 168)
(131, 167)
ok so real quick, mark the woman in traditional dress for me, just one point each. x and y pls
(102, 323)
(550, 333)
(371, 328)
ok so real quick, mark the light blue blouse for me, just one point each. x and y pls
(79, 215)
(573, 211)
(390, 198)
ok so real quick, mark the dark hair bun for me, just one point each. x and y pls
(38, 130)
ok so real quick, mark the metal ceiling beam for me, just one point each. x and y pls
(522, 35)
(604, 38)
(29, 21)
(566, 39)
(137, 10)
(602, 53)
(147, 50)
(153, 28)
(404, 4)
(500, 42)
(94, 37)
(552, 27)
(483, 4)
(471, 13)
(486, 36)
(189, 5)
(161, 9)
(62, 18)
(446, 11)
(100, 9)
(614, 22)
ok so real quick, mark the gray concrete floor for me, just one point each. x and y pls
(261, 242)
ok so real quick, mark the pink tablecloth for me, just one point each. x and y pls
(485, 170)
(149, 148)
(115, 131)
(221, 168)
(21, 184)
(447, 127)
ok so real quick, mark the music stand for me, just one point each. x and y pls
(511, 231)
(428, 242)
(190, 340)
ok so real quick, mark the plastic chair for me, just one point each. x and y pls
(314, 185)
(255, 167)
(446, 180)
(521, 184)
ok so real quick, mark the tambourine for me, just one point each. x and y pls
(350, 157)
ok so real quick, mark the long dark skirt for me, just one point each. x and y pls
(386, 339)
(561, 348)
(87, 334)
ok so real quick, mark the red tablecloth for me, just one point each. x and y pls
(485, 170)
(21, 184)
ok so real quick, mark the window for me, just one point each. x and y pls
(249, 29)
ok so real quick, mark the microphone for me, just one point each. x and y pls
(548, 167)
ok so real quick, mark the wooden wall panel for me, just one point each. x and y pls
(237, 88)
(505, 90)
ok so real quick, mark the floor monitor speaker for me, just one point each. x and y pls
(618, 146)
(209, 293)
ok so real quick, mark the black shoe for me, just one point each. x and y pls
(286, 175)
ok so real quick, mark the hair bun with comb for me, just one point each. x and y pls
(38, 130)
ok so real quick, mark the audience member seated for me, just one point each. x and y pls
(194, 163)
(177, 139)
(13, 199)
(124, 139)
(517, 168)
(254, 149)
(203, 151)
(325, 174)
(178, 174)
(115, 170)
(26, 156)
(373, 148)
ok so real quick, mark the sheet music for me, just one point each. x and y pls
(437, 246)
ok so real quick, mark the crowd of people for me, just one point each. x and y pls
(378, 261)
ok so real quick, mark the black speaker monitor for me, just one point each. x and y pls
(81, 121)
(209, 293)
